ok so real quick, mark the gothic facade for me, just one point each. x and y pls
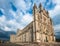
(39, 30)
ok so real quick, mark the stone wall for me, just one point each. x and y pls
(12, 38)
(25, 35)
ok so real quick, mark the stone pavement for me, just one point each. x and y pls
(9, 44)
(30, 44)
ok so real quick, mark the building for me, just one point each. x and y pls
(12, 38)
(39, 30)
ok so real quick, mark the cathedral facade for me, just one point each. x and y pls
(39, 30)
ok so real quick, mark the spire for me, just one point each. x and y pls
(34, 6)
(40, 7)
(47, 12)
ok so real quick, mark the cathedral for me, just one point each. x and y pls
(39, 30)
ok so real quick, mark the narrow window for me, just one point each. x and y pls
(46, 39)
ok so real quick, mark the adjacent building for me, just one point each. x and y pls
(39, 30)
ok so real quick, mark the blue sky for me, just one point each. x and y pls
(16, 14)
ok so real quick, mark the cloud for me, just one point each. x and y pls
(12, 13)
(2, 18)
(57, 31)
(56, 19)
(2, 12)
(13, 25)
(56, 2)
(27, 18)
(55, 11)
(13, 7)
(18, 13)
(57, 28)
(20, 4)
(7, 29)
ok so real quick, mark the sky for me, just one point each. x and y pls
(16, 14)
